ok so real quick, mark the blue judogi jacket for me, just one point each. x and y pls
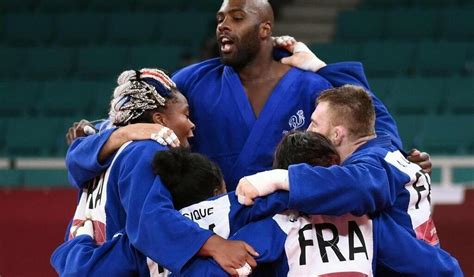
(289, 244)
(223, 215)
(228, 131)
(289, 107)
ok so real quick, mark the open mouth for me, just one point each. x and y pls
(227, 45)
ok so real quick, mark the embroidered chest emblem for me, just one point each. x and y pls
(296, 121)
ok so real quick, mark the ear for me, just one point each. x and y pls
(338, 135)
(265, 29)
(159, 118)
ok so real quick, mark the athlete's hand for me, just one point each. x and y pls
(303, 58)
(422, 159)
(229, 254)
(87, 228)
(261, 184)
(78, 129)
(246, 192)
(286, 42)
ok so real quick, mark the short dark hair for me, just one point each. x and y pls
(189, 177)
(305, 147)
(352, 107)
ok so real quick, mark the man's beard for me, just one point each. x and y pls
(245, 52)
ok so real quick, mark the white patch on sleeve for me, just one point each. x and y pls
(92, 203)
(419, 188)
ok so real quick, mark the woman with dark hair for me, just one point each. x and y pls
(114, 201)
(189, 177)
(305, 147)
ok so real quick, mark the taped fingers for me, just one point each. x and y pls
(163, 131)
(171, 138)
(245, 270)
(157, 138)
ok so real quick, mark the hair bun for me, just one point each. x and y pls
(126, 76)
(170, 162)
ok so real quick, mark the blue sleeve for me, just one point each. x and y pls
(266, 237)
(81, 158)
(340, 74)
(270, 205)
(199, 267)
(399, 253)
(182, 80)
(82, 257)
(153, 225)
(358, 188)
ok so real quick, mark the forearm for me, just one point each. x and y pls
(83, 257)
(115, 141)
(263, 207)
(173, 241)
(200, 266)
(266, 237)
(339, 189)
(82, 158)
(161, 232)
(208, 249)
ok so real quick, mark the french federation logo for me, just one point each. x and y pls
(296, 121)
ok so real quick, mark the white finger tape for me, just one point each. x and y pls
(245, 270)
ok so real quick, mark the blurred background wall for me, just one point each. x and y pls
(59, 60)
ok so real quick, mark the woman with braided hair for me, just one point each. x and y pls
(114, 200)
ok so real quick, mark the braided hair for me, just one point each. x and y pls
(138, 94)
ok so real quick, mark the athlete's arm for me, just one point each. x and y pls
(263, 207)
(399, 253)
(81, 256)
(359, 188)
(340, 74)
(159, 231)
(82, 158)
(89, 156)
(179, 238)
(264, 235)
(152, 224)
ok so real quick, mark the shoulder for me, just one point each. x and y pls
(370, 155)
(189, 74)
(206, 64)
(311, 80)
